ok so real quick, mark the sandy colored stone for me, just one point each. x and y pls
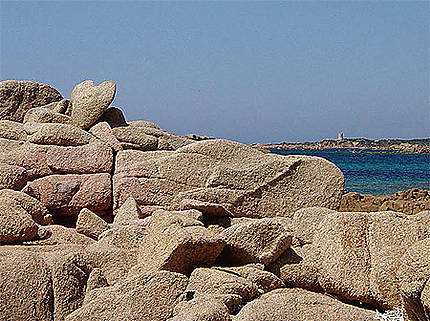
(17, 97)
(59, 235)
(258, 241)
(90, 224)
(32, 206)
(45, 115)
(135, 135)
(67, 195)
(143, 123)
(411, 201)
(16, 225)
(202, 308)
(224, 284)
(414, 275)
(355, 256)
(255, 273)
(210, 209)
(125, 237)
(96, 280)
(128, 212)
(25, 284)
(177, 243)
(298, 304)
(141, 297)
(306, 221)
(298, 267)
(12, 130)
(241, 179)
(103, 131)
(60, 134)
(89, 102)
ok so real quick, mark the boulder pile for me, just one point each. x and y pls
(104, 219)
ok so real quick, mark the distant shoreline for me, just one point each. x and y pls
(358, 145)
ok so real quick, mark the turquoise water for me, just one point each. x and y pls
(375, 173)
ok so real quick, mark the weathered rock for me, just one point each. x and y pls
(177, 243)
(12, 130)
(143, 123)
(141, 297)
(45, 115)
(223, 284)
(96, 280)
(25, 284)
(60, 134)
(32, 206)
(67, 195)
(89, 102)
(306, 221)
(202, 308)
(104, 132)
(298, 304)
(32, 157)
(412, 201)
(298, 267)
(258, 241)
(90, 224)
(264, 280)
(413, 275)
(86, 159)
(355, 256)
(241, 179)
(113, 262)
(16, 225)
(125, 237)
(114, 117)
(128, 212)
(135, 135)
(17, 97)
(207, 208)
(12, 177)
(60, 235)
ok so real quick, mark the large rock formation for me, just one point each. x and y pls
(245, 181)
(154, 226)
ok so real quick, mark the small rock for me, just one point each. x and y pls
(90, 224)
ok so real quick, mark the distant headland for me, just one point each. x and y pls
(420, 146)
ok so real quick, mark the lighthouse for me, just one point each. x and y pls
(339, 136)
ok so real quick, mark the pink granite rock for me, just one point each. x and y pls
(66, 195)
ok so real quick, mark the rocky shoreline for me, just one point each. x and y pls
(104, 219)
(357, 145)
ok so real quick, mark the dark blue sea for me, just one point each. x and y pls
(375, 173)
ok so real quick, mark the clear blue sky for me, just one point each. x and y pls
(247, 71)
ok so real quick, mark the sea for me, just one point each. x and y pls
(375, 173)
